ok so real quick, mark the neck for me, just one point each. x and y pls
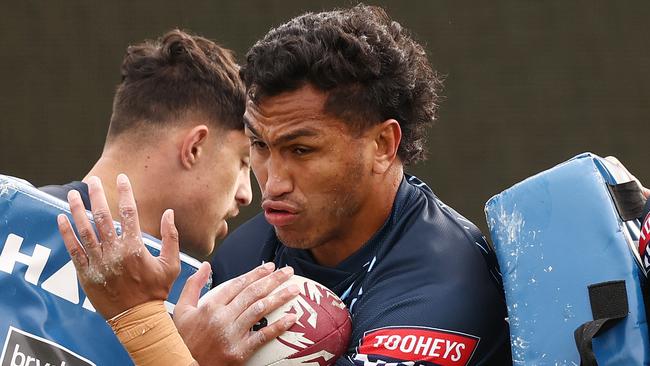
(370, 218)
(114, 161)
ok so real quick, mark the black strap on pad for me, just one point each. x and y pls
(608, 306)
(628, 199)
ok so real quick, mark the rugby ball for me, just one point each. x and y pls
(320, 335)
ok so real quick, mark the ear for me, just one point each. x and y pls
(387, 137)
(193, 145)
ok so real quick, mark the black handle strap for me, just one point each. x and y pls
(608, 306)
(628, 199)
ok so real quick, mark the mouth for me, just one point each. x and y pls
(279, 214)
(232, 214)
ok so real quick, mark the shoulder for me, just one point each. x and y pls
(436, 280)
(241, 250)
(429, 230)
(61, 191)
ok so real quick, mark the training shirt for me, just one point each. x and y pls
(61, 192)
(424, 290)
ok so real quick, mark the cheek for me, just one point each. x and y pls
(333, 185)
(259, 171)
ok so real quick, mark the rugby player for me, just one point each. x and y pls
(337, 106)
(176, 129)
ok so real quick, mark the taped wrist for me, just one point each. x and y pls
(149, 335)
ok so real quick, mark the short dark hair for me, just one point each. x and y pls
(370, 67)
(177, 74)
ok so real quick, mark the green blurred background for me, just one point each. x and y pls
(528, 83)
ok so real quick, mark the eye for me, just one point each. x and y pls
(301, 150)
(257, 144)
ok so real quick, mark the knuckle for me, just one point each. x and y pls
(127, 210)
(259, 307)
(260, 271)
(256, 291)
(286, 294)
(261, 337)
(101, 216)
(279, 277)
(86, 237)
(242, 301)
(75, 253)
(239, 282)
(78, 258)
(173, 233)
(233, 356)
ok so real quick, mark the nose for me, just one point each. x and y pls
(278, 180)
(244, 194)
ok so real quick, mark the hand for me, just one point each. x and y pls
(118, 272)
(217, 329)
(645, 191)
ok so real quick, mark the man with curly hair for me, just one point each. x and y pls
(337, 107)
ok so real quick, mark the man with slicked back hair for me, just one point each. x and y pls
(177, 131)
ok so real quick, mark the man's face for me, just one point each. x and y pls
(221, 185)
(312, 170)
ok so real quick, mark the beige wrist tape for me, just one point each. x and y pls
(149, 335)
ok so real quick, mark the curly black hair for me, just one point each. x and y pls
(178, 73)
(370, 67)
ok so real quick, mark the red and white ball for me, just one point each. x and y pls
(319, 337)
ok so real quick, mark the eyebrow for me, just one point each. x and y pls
(300, 132)
(250, 127)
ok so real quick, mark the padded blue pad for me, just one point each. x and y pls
(44, 313)
(556, 233)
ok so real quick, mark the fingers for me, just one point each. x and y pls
(259, 289)
(71, 243)
(618, 164)
(235, 286)
(169, 253)
(127, 207)
(84, 228)
(193, 286)
(266, 305)
(645, 191)
(261, 337)
(614, 160)
(101, 212)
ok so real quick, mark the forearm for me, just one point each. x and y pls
(150, 336)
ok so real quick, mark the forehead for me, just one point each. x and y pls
(303, 108)
(234, 140)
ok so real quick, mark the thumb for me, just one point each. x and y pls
(169, 252)
(192, 289)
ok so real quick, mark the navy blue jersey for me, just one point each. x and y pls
(61, 192)
(424, 290)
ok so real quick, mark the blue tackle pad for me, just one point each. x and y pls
(555, 234)
(44, 314)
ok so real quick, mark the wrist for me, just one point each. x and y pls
(150, 337)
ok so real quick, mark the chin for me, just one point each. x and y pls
(295, 241)
(222, 231)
